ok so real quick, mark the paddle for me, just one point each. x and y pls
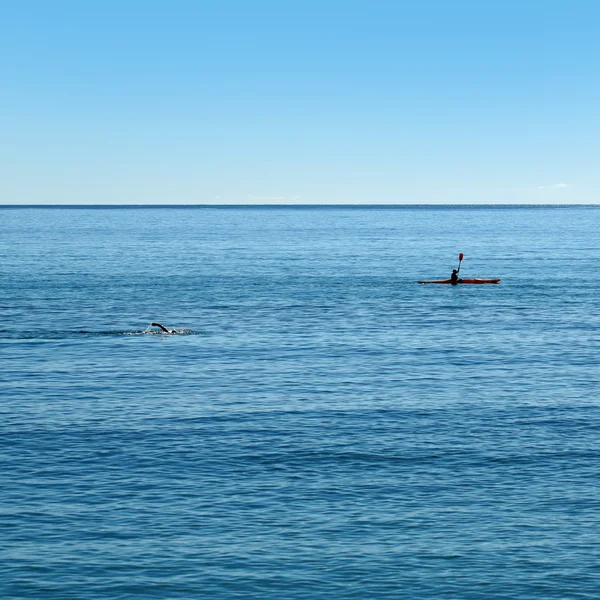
(460, 257)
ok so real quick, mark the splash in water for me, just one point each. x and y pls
(163, 330)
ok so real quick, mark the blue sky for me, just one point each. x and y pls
(180, 102)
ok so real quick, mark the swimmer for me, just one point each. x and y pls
(163, 328)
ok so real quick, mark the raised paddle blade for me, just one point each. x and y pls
(460, 257)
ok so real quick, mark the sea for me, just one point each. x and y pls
(320, 426)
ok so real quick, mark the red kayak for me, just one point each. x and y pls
(463, 281)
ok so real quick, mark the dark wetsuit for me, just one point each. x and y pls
(163, 328)
(454, 277)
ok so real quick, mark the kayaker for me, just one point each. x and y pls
(454, 277)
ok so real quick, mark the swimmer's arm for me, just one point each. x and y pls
(161, 326)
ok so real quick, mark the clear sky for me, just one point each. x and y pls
(380, 101)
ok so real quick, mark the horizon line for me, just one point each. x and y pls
(311, 205)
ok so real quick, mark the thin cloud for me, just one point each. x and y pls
(554, 186)
(273, 198)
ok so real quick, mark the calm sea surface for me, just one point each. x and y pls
(323, 428)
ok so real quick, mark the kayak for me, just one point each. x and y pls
(464, 281)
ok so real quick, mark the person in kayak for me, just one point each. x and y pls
(454, 277)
